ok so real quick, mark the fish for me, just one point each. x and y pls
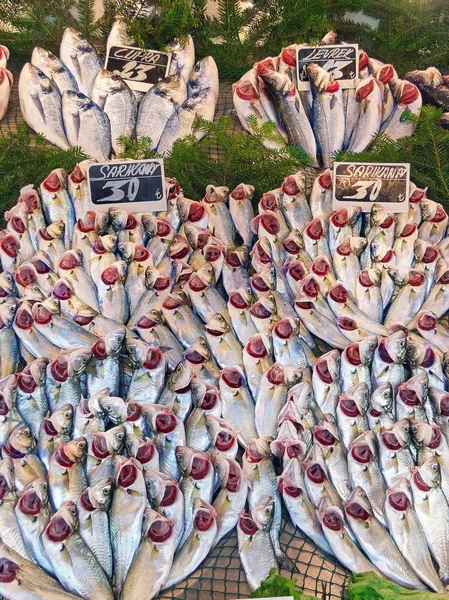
(82, 116)
(197, 545)
(181, 123)
(255, 546)
(155, 555)
(327, 437)
(237, 403)
(407, 532)
(92, 506)
(56, 202)
(78, 571)
(81, 58)
(66, 476)
(118, 35)
(377, 542)
(112, 94)
(41, 105)
(327, 109)
(183, 56)
(168, 433)
(368, 94)
(20, 447)
(395, 458)
(129, 500)
(428, 498)
(104, 446)
(157, 106)
(54, 69)
(6, 83)
(409, 100)
(165, 495)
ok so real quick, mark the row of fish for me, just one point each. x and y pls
(74, 102)
(327, 118)
(6, 81)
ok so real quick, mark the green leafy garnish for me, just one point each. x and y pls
(276, 586)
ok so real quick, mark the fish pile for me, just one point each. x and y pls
(326, 118)
(434, 88)
(74, 102)
(6, 81)
(160, 386)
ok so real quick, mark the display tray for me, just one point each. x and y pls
(221, 574)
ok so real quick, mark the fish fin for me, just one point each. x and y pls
(76, 124)
(102, 101)
(38, 105)
(333, 102)
(285, 562)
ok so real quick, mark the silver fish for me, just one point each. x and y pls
(54, 69)
(81, 58)
(66, 475)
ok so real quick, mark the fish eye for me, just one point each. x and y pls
(11, 468)
(8, 277)
(406, 428)
(67, 415)
(414, 428)
(435, 467)
(105, 491)
(44, 486)
(41, 75)
(108, 407)
(73, 510)
(120, 436)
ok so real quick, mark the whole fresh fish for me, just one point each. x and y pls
(168, 433)
(92, 506)
(328, 113)
(126, 516)
(316, 479)
(112, 94)
(408, 100)
(165, 495)
(381, 409)
(183, 56)
(81, 58)
(395, 458)
(55, 430)
(66, 476)
(255, 545)
(20, 447)
(155, 555)
(376, 541)
(230, 501)
(237, 403)
(102, 452)
(407, 532)
(432, 509)
(31, 395)
(369, 96)
(56, 202)
(197, 545)
(389, 356)
(33, 514)
(78, 571)
(148, 375)
(104, 367)
(40, 103)
(327, 437)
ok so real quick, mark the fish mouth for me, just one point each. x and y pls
(332, 520)
(8, 570)
(30, 503)
(58, 530)
(4, 487)
(160, 531)
(128, 475)
(399, 501)
(145, 452)
(355, 510)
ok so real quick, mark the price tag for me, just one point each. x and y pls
(135, 185)
(342, 61)
(140, 68)
(362, 184)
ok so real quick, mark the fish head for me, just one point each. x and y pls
(358, 506)
(440, 400)
(222, 434)
(76, 449)
(7, 312)
(193, 463)
(204, 515)
(160, 418)
(119, 218)
(294, 184)
(55, 230)
(288, 447)
(33, 497)
(7, 481)
(160, 486)
(156, 528)
(378, 213)
(197, 236)
(326, 433)
(7, 285)
(179, 248)
(98, 496)
(355, 401)
(320, 79)
(291, 482)
(330, 517)
(419, 353)
(76, 40)
(358, 244)
(425, 320)
(136, 350)
(198, 352)
(207, 274)
(367, 347)
(228, 470)
(426, 435)
(428, 473)
(314, 465)
(21, 439)
(262, 513)
(35, 370)
(113, 341)
(257, 449)
(399, 495)
(425, 252)
(141, 449)
(215, 194)
(232, 378)
(183, 374)
(302, 396)
(63, 523)
(78, 360)
(382, 398)
(217, 325)
(442, 272)
(128, 473)
(370, 277)
(428, 208)
(108, 82)
(172, 88)
(60, 421)
(241, 298)
(396, 345)
(327, 366)
(290, 413)
(405, 92)
(242, 192)
(36, 79)
(114, 407)
(286, 329)
(280, 82)
(402, 432)
(363, 449)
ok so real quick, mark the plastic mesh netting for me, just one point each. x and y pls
(221, 575)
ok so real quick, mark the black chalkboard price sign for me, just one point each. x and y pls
(134, 185)
(363, 184)
(342, 61)
(140, 68)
